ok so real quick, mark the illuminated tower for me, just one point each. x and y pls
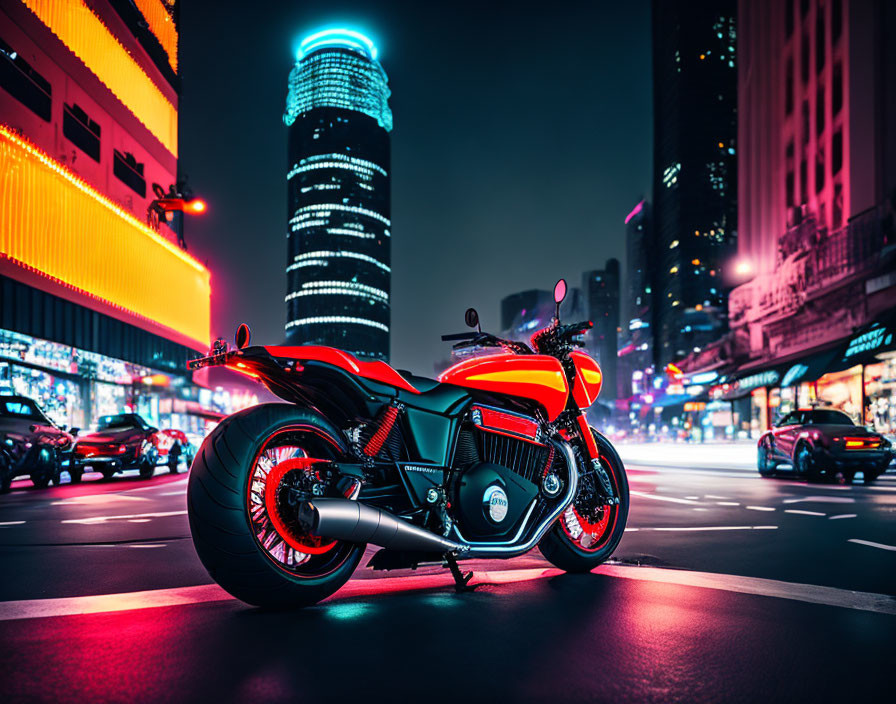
(338, 268)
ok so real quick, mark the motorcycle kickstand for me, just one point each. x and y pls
(460, 579)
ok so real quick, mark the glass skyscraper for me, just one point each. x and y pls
(339, 231)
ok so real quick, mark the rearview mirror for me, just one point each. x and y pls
(471, 318)
(243, 335)
(74, 432)
(560, 291)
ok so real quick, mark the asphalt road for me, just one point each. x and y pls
(726, 587)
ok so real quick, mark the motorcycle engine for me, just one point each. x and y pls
(491, 500)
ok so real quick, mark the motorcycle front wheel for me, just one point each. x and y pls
(244, 527)
(585, 536)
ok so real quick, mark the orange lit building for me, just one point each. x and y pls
(98, 311)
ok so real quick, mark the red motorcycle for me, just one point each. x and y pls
(490, 460)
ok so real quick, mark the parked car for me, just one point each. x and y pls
(30, 443)
(126, 441)
(819, 442)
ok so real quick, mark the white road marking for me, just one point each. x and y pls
(813, 594)
(699, 528)
(713, 496)
(804, 513)
(822, 500)
(180, 596)
(698, 508)
(160, 485)
(760, 508)
(842, 515)
(891, 548)
(93, 520)
(728, 503)
(692, 498)
(143, 546)
(657, 497)
(11, 523)
(96, 500)
(138, 520)
(173, 493)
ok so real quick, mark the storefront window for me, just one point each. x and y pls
(843, 391)
(880, 394)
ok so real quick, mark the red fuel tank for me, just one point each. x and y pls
(535, 377)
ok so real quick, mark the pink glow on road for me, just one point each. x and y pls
(637, 209)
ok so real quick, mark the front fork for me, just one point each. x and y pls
(606, 488)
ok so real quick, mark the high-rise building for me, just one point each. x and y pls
(695, 171)
(636, 340)
(600, 292)
(339, 231)
(99, 312)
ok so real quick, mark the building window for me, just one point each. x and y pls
(819, 40)
(81, 131)
(819, 110)
(804, 121)
(129, 172)
(788, 19)
(788, 193)
(837, 152)
(837, 90)
(819, 169)
(23, 83)
(837, 213)
(804, 189)
(804, 58)
(836, 21)
(804, 7)
(788, 88)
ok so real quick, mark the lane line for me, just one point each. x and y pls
(870, 544)
(713, 496)
(700, 528)
(93, 520)
(181, 596)
(759, 508)
(822, 500)
(728, 503)
(804, 513)
(810, 593)
(658, 497)
(11, 523)
(842, 515)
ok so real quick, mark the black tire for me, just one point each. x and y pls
(41, 480)
(557, 546)
(108, 473)
(219, 516)
(147, 469)
(173, 458)
(803, 464)
(5, 473)
(764, 462)
(75, 474)
(871, 475)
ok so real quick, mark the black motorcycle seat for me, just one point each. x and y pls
(434, 396)
(421, 383)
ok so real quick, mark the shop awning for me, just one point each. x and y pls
(809, 369)
(868, 342)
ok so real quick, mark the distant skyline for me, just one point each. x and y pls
(522, 139)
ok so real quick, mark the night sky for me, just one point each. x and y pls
(522, 139)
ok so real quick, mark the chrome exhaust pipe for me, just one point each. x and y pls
(352, 521)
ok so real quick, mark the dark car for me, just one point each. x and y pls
(126, 441)
(818, 442)
(30, 443)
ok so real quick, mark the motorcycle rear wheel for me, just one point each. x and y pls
(251, 554)
(576, 544)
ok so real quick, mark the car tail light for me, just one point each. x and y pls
(862, 443)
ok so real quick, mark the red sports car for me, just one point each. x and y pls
(126, 441)
(818, 442)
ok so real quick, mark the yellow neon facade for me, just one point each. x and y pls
(161, 25)
(89, 39)
(54, 223)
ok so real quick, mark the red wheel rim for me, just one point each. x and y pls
(310, 544)
(587, 535)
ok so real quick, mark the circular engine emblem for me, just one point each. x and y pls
(494, 503)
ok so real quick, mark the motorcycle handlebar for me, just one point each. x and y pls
(460, 336)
